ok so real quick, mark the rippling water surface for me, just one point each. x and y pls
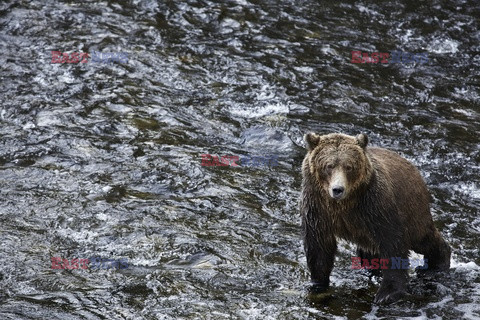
(105, 159)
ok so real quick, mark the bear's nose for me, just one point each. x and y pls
(338, 192)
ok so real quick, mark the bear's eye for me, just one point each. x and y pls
(329, 167)
(348, 168)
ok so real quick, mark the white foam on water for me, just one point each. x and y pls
(242, 2)
(443, 46)
(67, 78)
(471, 311)
(407, 36)
(47, 118)
(469, 189)
(464, 265)
(266, 102)
(261, 111)
(364, 9)
(28, 125)
(120, 108)
(304, 69)
(266, 93)
(327, 50)
(464, 92)
(230, 23)
(41, 80)
(81, 237)
(372, 315)
(254, 312)
(101, 216)
(468, 113)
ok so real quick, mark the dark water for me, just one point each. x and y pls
(104, 159)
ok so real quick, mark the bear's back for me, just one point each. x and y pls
(407, 185)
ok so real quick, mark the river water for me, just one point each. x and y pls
(104, 159)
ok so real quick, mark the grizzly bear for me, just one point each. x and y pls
(369, 196)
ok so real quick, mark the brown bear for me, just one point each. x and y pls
(371, 197)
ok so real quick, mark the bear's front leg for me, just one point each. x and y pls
(320, 247)
(392, 287)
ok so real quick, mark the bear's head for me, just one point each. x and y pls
(338, 163)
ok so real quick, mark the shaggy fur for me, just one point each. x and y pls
(384, 209)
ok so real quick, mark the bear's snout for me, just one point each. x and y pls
(337, 185)
(337, 192)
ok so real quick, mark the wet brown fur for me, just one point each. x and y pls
(385, 212)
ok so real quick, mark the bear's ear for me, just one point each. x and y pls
(312, 140)
(362, 140)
